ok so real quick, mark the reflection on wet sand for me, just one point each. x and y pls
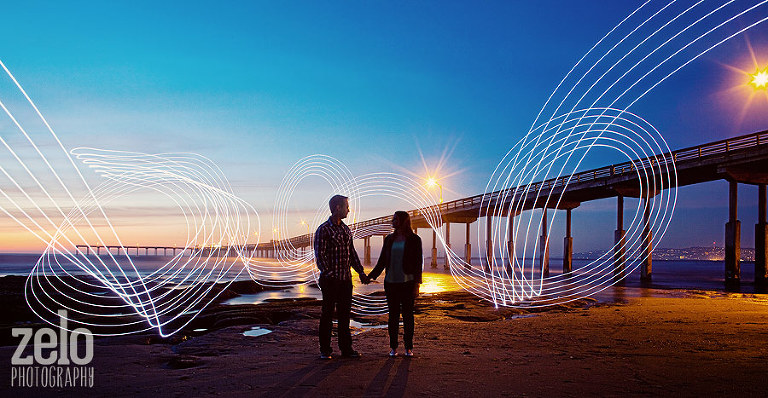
(433, 282)
(668, 276)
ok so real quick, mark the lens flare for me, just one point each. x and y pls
(760, 79)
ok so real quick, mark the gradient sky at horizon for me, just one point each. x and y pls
(255, 86)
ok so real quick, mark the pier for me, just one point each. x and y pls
(118, 249)
(738, 160)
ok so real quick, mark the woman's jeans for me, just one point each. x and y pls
(400, 296)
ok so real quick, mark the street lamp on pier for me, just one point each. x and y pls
(432, 182)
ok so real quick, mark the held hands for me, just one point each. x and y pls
(365, 279)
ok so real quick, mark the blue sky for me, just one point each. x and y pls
(256, 86)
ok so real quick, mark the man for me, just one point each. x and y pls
(334, 255)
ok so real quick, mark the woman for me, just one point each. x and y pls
(401, 257)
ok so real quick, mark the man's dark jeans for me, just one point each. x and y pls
(400, 295)
(336, 293)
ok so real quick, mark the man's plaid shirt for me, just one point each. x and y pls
(335, 252)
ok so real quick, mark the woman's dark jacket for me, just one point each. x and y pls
(412, 257)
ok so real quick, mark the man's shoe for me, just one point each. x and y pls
(351, 354)
(325, 356)
(409, 353)
(393, 353)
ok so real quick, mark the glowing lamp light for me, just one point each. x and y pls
(760, 79)
(431, 183)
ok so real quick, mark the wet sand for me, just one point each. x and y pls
(683, 343)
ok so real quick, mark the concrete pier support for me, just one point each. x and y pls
(646, 269)
(567, 245)
(367, 251)
(733, 237)
(510, 243)
(447, 264)
(433, 263)
(761, 238)
(488, 243)
(619, 243)
(468, 250)
(544, 245)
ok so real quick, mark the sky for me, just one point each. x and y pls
(381, 86)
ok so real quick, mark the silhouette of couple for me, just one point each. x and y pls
(335, 253)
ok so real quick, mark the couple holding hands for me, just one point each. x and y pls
(335, 254)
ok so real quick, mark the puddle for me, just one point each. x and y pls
(294, 292)
(256, 331)
(361, 325)
(520, 316)
(433, 283)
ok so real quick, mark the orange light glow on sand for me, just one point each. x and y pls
(436, 283)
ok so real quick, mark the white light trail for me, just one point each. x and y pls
(43, 189)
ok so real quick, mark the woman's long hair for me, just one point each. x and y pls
(404, 221)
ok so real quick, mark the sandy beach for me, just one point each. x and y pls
(669, 342)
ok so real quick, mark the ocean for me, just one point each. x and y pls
(683, 274)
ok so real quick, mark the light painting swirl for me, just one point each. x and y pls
(63, 197)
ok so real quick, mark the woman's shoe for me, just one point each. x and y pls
(409, 353)
(393, 353)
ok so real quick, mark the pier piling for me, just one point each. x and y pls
(510, 242)
(433, 263)
(567, 245)
(619, 243)
(732, 237)
(468, 250)
(488, 242)
(761, 238)
(447, 244)
(367, 250)
(647, 268)
(544, 245)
